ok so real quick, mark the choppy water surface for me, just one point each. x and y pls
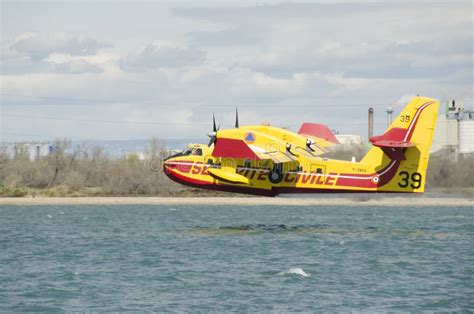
(161, 258)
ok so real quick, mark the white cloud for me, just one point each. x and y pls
(278, 63)
(75, 66)
(24, 66)
(31, 53)
(162, 55)
(38, 46)
(362, 40)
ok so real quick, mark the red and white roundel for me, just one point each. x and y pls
(375, 179)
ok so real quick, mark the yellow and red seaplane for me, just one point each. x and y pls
(266, 160)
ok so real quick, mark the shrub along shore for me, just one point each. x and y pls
(91, 172)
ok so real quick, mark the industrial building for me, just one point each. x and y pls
(454, 130)
(32, 150)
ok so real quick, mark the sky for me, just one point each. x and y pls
(113, 70)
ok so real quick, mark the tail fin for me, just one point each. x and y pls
(408, 142)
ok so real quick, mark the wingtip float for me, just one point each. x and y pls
(266, 160)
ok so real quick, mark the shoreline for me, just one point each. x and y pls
(243, 201)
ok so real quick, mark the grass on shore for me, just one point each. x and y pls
(64, 191)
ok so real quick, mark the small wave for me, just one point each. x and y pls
(222, 231)
(321, 229)
(294, 271)
(255, 228)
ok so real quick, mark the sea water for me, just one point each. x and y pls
(235, 258)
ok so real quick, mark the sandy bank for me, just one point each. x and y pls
(248, 201)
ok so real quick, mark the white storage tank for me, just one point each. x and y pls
(350, 139)
(446, 133)
(466, 136)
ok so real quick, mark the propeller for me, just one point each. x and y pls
(213, 135)
(236, 118)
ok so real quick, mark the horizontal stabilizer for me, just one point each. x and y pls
(319, 131)
(393, 143)
(395, 137)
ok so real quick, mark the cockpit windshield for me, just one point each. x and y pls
(196, 151)
(187, 151)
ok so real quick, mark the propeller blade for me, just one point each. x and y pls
(213, 135)
(211, 141)
(236, 118)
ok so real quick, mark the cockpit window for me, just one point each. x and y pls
(197, 151)
(193, 151)
(188, 151)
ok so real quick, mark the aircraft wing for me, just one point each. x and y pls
(235, 148)
(317, 150)
(276, 156)
(316, 137)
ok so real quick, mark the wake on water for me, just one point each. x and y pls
(294, 271)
